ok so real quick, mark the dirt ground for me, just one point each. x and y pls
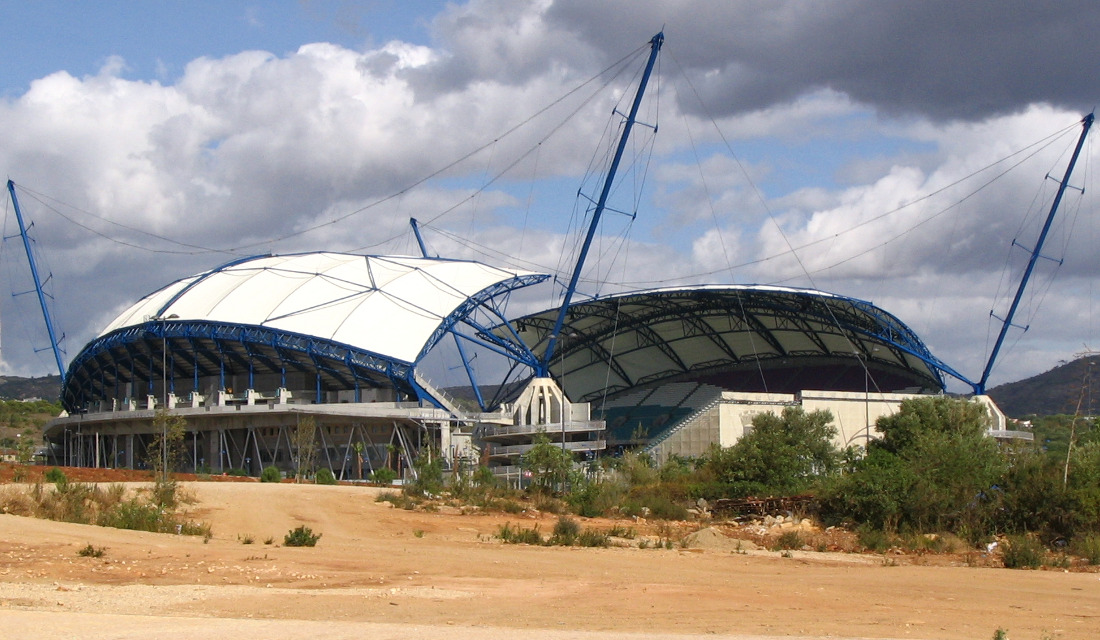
(383, 572)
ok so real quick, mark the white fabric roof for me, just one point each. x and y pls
(389, 305)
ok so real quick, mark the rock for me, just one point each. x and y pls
(712, 538)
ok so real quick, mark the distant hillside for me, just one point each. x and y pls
(1056, 391)
(17, 388)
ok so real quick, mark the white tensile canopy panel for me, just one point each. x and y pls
(387, 305)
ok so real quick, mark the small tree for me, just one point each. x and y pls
(429, 473)
(165, 453)
(358, 447)
(548, 463)
(934, 469)
(25, 446)
(305, 441)
(782, 455)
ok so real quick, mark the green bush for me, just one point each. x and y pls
(398, 500)
(508, 535)
(303, 536)
(383, 476)
(56, 476)
(325, 476)
(1022, 552)
(873, 539)
(1088, 548)
(594, 499)
(592, 538)
(135, 516)
(653, 502)
(565, 531)
(271, 474)
(789, 540)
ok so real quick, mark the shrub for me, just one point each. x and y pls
(619, 531)
(510, 506)
(548, 503)
(1022, 552)
(398, 500)
(325, 476)
(271, 474)
(90, 551)
(303, 536)
(135, 516)
(1088, 548)
(383, 476)
(789, 540)
(594, 499)
(56, 476)
(651, 502)
(565, 531)
(508, 535)
(873, 539)
(592, 538)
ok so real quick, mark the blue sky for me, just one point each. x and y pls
(158, 39)
(786, 124)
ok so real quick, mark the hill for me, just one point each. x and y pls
(1053, 392)
(18, 388)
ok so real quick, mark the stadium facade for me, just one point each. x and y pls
(247, 351)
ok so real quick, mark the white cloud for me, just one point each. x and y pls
(242, 150)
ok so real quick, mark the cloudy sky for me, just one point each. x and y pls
(887, 151)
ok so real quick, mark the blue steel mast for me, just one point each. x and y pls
(37, 281)
(979, 388)
(544, 364)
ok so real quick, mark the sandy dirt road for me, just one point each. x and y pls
(381, 572)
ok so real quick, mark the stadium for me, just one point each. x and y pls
(249, 352)
(246, 351)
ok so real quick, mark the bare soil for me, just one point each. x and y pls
(385, 572)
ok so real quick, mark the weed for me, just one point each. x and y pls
(1000, 634)
(419, 533)
(303, 536)
(269, 540)
(90, 552)
(787, 554)
(246, 539)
